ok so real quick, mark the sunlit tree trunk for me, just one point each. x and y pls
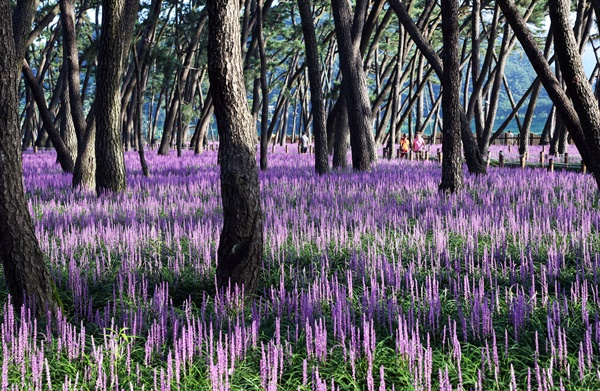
(118, 19)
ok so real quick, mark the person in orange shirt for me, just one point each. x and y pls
(404, 145)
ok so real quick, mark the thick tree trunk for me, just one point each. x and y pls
(452, 177)
(241, 240)
(118, 19)
(25, 272)
(354, 87)
(316, 92)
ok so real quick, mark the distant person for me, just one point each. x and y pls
(418, 145)
(304, 143)
(404, 145)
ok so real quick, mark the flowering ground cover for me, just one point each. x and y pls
(371, 281)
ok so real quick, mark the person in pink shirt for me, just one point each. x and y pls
(418, 146)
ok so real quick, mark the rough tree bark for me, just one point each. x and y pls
(452, 177)
(25, 272)
(316, 92)
(118, 19)
(67, 127)
(241, 241)
(354, 86)
(580, 113)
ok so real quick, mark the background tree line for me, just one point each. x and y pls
(176, 106)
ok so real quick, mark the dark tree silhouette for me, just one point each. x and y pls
(25, 271)
(316, 92)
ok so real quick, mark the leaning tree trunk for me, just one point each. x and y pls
(316, 92)
(118, 19)
(241, 240)
(62, 152)
(452, 177)
(25, 272)
(578, 110)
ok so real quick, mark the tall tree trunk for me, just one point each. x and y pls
(316, 92)
(26, 274)
(118, 19)
(139, 111)
(241, 241)
(452, 177)
(354, 86)
(264, 87)
(475, 162)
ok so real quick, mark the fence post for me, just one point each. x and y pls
(542, 158)
(551, 165)
(439, 155)
(583, 167)
(286, 148)
(566, 160)
(500, 159)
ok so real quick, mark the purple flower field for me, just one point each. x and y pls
(371, 281)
